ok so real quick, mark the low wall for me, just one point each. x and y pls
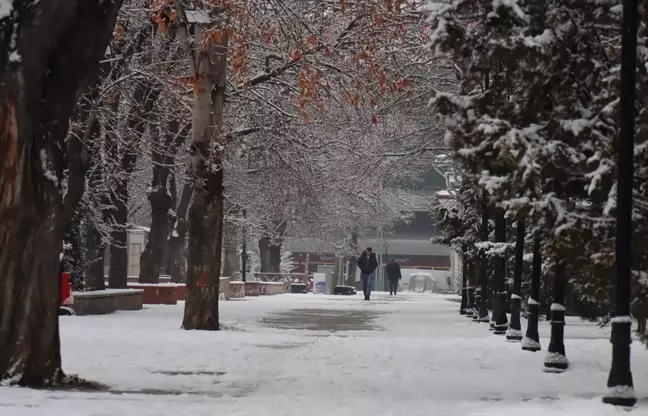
(252, 288)
(157, 294)
(180, 288)
(225, 287)
(271, 288)
(102, 302)
(135, 279)
(237, 290)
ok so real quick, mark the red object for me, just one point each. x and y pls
(310, 284)
(162, 294)
(202, 281)
(66, 290)
(180, 292)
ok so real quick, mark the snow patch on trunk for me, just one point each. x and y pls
(6, 7)
(45, 167)
(15, 57)
(621, 320)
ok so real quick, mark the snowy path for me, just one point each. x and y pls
(322, 355)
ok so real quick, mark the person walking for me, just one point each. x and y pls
(367, 264)
(394, 275)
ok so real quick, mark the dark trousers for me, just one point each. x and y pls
(393, 286)
(367, 283)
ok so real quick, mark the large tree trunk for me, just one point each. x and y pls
(118, 274)
(95, 252)
(270, 253)
(145, 97)
(74, 252)
(151, 258)
(55, 47)
(206, 212)
(275, 258)
(353, 263)
(231, 262)
(177, 251)
(160, 198)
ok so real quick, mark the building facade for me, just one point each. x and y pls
(407, 243)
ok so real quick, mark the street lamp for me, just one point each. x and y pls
(620, 389)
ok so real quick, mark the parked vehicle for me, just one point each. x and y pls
(66, 298)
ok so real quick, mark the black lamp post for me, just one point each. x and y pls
(620, 388)
(556, 360)
(531, 341)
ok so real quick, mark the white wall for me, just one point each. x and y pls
(136, 241)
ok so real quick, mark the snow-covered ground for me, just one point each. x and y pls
(322, 355)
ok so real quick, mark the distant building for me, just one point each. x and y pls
(409, 244)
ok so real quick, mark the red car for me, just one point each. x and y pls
(66, 294)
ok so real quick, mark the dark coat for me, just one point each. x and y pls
(393, 271)
(367, 263)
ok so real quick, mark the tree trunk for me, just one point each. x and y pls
(275, 258)
(514, 332)
(264, 253)
(95, 259)
(206, 212)
(270, 251)
(95, 246)
(74, 253)
(118, 273)
(353, 263)
(556, 360)
(163, 156)
(481, 293)
(464, 286)
(499, 280)
(59, 45)
(471, 310)
(151, 257)
(231, 263)
(145, 98)
(177, 251)
(531, 341)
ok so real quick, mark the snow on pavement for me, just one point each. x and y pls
(322, 355)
